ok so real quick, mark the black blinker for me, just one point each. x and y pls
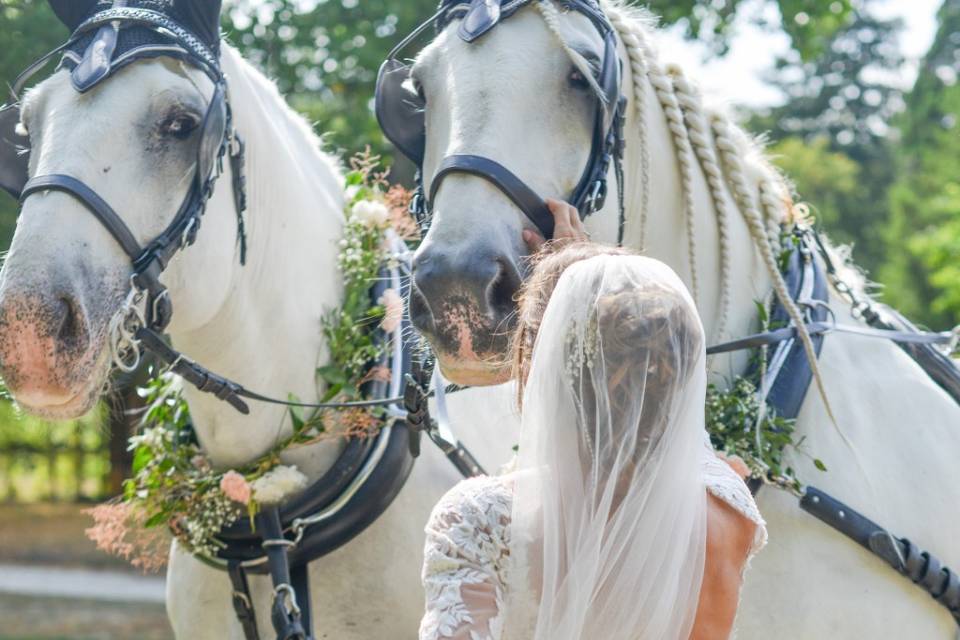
(202, 17)
(14, 157)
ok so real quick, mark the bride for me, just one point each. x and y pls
(618, 521)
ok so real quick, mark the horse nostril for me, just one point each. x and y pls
(71, 326)
(503, 289)
(419, 308)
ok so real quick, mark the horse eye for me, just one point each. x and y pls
(577, 80)
(180, 126)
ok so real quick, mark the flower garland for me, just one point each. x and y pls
(173, 485)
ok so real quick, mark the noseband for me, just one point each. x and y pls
(401, 114)
(217, 140)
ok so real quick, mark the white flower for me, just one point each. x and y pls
(278, 483)
(371, 213)
(153, 438)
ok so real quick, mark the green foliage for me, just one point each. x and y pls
(921, 274)
(830, 180)
(840, 105)
(809, 23)
(740, 426)
(348, 329)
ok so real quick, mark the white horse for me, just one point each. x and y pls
(701, 197)
(65, 278)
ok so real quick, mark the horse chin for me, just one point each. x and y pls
(473, 372)
(53, 402)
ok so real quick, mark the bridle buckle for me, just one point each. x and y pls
(596, 197)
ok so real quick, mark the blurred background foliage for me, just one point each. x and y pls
(877, 163)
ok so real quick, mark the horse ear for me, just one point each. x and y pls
(202, 17)
(73, 12)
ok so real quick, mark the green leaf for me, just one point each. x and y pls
(155, 520)
(296, 413)
(141, 458)
(332, 374)
(818, 463)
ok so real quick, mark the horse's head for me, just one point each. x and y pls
(526, 95)
(133, 139)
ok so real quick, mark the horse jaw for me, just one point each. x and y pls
(66, 278)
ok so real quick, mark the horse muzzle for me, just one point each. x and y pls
(462, 301)
(49, 358)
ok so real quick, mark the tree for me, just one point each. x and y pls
(832, 180)
(810, 24)
(922, 274)
(28, 29)
(844, 102)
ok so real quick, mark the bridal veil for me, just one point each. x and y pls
(608, 522)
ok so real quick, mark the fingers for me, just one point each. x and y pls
(567, 223)
(534, 240)
(567, 227)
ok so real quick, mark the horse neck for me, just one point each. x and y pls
(267, 334)
(699, 195)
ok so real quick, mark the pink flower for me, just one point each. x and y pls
(235, 487)
(392, 310)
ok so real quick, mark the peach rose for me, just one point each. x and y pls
(235, 487)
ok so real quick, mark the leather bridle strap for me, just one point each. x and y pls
(93, 202)
(503, 179)
(146, 274)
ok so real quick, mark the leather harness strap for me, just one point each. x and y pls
(503, 179)
(242, 600)
(822, 328)
(924, 569)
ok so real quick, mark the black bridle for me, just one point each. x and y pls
(401, 114)
(218, 139)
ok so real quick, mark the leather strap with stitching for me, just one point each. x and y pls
(506, 181)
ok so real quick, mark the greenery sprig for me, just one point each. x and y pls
(741, 424)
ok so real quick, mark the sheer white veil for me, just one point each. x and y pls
(609, 514)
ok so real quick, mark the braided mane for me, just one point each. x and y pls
(762, 198)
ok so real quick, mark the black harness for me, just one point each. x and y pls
(788, 378)
(401, 114)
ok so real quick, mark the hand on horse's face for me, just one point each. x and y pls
(568, 227)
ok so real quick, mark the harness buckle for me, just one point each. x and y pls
(418, 205)
(954, 340)
(188, 235)
(289, 601)
(596, 197)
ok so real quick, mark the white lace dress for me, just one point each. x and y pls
(466, 568)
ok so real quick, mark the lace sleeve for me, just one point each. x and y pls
(464, 562)
(724, 483)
